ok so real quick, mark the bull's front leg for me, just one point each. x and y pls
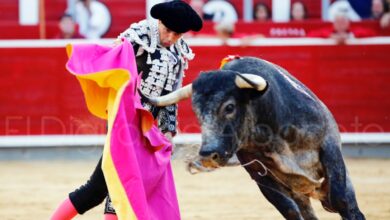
(280, 198)
(341, 195)
(275, 193)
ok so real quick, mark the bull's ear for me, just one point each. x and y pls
(250, 81)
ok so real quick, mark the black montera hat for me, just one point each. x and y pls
(177, 16)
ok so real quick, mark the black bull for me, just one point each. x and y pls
(283, 135)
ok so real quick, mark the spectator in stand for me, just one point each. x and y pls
(345, 7)
(342, 30)
(67, 28)
(298, 11)
(224, 30)
(93, 18)
(385, 19)
(377, 9)
(261, 12)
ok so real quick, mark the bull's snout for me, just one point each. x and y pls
(212, 155)
(218, 155)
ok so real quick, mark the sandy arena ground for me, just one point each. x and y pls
(31, 190)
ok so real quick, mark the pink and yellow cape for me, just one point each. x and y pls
(136, 156)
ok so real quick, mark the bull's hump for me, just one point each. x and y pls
(297, 87)
(249, 65)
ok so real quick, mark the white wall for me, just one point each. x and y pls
(28, 12)
(281, 10)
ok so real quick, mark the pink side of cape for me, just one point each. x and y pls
(141, 160)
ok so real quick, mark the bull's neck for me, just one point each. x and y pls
(260, 120)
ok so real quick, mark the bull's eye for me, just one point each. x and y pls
(229, 109)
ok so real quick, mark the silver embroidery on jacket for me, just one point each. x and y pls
(167, 71)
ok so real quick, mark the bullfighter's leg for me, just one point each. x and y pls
(341, 195)
(279, 197)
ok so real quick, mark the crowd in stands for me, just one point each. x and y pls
(91, 18)
(341, 30)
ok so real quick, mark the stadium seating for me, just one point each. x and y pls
(124, 12)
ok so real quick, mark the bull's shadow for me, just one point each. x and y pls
(283, 135)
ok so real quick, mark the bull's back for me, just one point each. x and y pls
(293, 101)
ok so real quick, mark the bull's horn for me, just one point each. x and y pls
(250, 81)
(171, 98)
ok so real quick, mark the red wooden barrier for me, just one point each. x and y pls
(38, 96)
